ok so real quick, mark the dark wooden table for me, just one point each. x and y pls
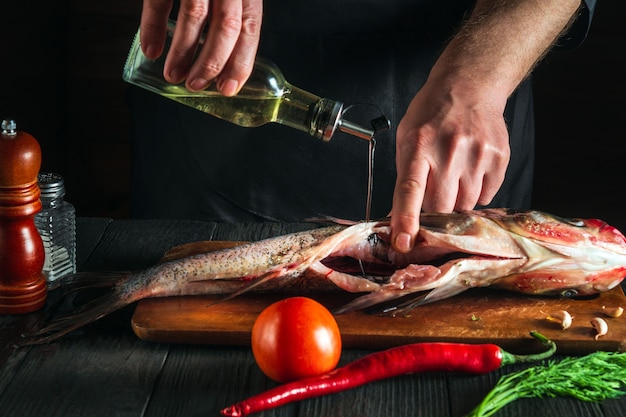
(105, 370)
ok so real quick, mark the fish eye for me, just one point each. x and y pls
(569, 293)
(576, 222)
(571, 221)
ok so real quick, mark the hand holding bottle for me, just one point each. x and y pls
(228, 54)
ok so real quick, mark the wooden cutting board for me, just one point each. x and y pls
(476, 316)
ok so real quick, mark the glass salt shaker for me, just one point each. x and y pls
(56, 223)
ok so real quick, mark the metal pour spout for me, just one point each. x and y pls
(356, 130)
(378, 125)
(328, 117)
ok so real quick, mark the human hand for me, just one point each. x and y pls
(452, 152)
(452, 146)
(228, 54)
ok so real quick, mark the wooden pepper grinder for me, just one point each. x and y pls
(22, 283)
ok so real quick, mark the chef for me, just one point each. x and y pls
(453, 77)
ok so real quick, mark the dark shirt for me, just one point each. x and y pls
(187, 164)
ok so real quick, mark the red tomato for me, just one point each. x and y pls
(295, 338)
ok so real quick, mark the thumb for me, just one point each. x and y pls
(408, 196)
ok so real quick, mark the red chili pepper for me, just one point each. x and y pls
(401, 360)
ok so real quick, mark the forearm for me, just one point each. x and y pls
(501, 42)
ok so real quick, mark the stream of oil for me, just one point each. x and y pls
(370, 187)
(370, 178)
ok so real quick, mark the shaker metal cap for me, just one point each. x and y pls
(9, 127)
(51, 185)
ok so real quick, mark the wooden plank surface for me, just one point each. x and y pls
(83, 376)
(476, 316)
(104, 370)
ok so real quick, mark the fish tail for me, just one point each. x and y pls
(85, 280)
(63, 325)
(86, 313)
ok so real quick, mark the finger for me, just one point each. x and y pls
(492, 182)
(408, 196)
(495, 173)
(470, 188)
(241, 62)
(191, 20)
(447, 168)
(153, 26)
(224, 30)
(441, 190)
(470, 181)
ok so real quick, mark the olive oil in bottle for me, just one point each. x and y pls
(265, 98)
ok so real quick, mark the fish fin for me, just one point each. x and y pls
(83, 280)
(60, 290)
(330, 219)
(248, 286)
(346, 282)
(61, 326)
(441, 293)
(451, 289)
(70, 288)
(399, 310)
(336, 220)
(368, 300)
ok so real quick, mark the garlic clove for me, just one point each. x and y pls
(562, 317)
(600, 325)
(612, 311)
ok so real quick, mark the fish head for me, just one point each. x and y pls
(551, 229)
(567, 257)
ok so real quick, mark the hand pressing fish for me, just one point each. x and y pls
(529, 252)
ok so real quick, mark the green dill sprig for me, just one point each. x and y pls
(595, 377)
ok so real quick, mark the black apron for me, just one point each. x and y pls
(187, 164)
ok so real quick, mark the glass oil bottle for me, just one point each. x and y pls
(266, 97)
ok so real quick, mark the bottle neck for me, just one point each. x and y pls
(319, 117)
(307, 112)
